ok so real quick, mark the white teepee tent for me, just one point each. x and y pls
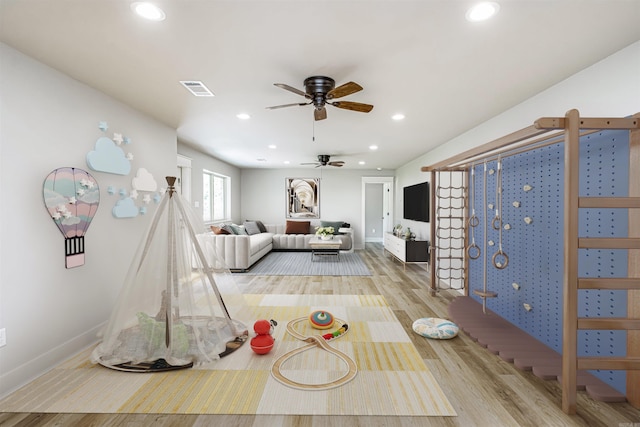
(171, 312)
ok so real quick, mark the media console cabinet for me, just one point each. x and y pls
(407, 251)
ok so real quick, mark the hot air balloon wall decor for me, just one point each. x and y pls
(71, 196)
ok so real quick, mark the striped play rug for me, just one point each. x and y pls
(392, 378)
(301, 264)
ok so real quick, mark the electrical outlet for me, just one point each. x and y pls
(3, 337)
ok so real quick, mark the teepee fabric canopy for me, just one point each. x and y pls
(176, 304)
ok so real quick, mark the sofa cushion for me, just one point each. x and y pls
(297, 227)
(261, 226)
(335, 224)
(238, 229)
(251, 228)
(227, 228)
(219, 230)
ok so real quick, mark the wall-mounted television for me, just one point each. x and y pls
(416, 202)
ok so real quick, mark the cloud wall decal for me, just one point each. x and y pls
(108, 157)
(144, 181)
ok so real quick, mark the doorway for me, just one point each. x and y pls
(377, 208)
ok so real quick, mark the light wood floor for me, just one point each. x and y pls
(484, 390)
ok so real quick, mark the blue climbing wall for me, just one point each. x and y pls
(535, 250)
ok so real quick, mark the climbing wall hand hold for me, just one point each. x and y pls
(515, 286)
(516, 204)
(527, 306)
(527, 187)
(528, 220)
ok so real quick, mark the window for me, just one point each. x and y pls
(215, 197)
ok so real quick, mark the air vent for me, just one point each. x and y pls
(197, 88)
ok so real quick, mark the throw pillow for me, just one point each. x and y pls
(261, 226)
(219, 230)
(238, 229)
(335, 224)
(228, 229)
(297, 227)
(251, 227)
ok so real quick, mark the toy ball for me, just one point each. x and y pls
(263, 342)
(321, 319)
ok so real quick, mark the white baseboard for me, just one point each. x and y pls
(34, 368)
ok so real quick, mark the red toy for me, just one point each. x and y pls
(263, 342)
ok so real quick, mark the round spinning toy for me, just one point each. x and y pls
(321, 319)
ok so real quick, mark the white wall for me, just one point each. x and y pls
(48, 121)
(609, 88)
(201, 162)
(263, 195)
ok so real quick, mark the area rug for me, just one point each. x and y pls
(392, 378)
(301, 264)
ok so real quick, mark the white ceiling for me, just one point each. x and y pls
(421, 58)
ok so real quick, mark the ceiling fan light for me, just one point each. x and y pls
(398, 116)
(482, 11)
(148, 11)
(243, 116)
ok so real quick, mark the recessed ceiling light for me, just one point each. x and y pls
(398, 116)
(361, 162)
(243, 116)
(373, 147)
(286, 162)
(148, 11)
(378, 169)
(482, 11)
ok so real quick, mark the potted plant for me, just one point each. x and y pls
(325, 233)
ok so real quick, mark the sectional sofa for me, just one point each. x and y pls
(241, 246)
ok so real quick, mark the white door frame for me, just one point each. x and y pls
(387, 182)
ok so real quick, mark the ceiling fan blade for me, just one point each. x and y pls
(312, 163)
(275, 107)
(344, 90)
(337, 164)
(320, 113)
(291, 89)
(353, 106)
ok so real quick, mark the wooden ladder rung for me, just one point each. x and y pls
(609, 202)
(613, 363)
(609, 243)
(605, 283)
(610, 323)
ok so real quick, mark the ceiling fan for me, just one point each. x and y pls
(323, 160)
(321, 90)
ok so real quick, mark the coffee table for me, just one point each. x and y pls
(325, 247)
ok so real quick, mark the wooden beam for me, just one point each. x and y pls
(609, 243)
(609, 324)
(613, 363)
(570, 258)
(432, 232)
(590, 123)
(609, 283)
(633, 268)
(517, 136)
(609, 202)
